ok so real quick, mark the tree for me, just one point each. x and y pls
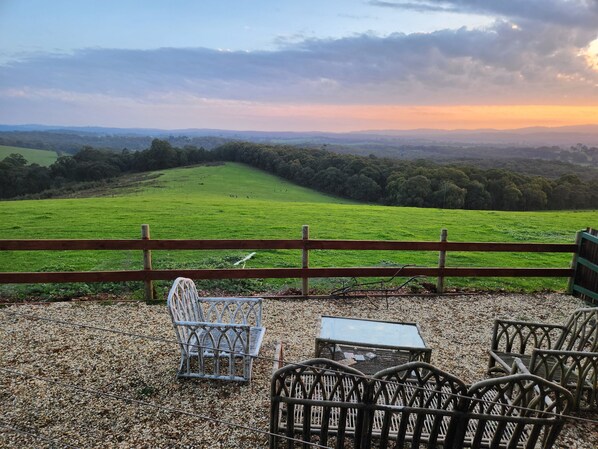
(331, 180)
(159, 156)
(561, 196)
(511, 197)
(64, 167)
(363, 188)
(505, 194)
(477, 197)
(394, 187)
(15, 160)
(415, 191)
(12, 173)
(449, 196)
(534, 198)
(37, 179)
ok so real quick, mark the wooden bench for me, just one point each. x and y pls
(413, 405)
(218, 337)
(564, 354)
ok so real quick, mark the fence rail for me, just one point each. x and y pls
(304, 272)
(74, 245)
(275, 273)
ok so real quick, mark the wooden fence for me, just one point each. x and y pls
(305, 244)
(584, 281)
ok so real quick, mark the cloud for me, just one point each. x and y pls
(577, 13)
(532, 63)
(418, 6)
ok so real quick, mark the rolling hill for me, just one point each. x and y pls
(40, 157)
(233, 201)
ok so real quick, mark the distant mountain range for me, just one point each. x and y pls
(550, 152)
(539, 135)
(563, 136)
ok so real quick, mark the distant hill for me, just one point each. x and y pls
(566, 149)
(564, 136)
(40, 157)
(560, 136)
(73, 140)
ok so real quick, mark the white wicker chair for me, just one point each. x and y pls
(219, 337)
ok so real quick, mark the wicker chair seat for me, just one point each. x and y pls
(507, 359)
(565, 354)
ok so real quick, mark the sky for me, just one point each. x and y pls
(303, 65)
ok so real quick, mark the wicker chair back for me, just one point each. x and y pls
(411, 406)
(515, 411)
(416, 403)
(581, 332)
(320, 401)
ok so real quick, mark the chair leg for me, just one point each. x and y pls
(491, 364)
(247, 365)
(182, 363)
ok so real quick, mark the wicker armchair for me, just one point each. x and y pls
(514, 411)
(418, 404)
(218, 337)
(564, 354)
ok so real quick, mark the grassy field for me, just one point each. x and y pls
(235, 201)
(40, 157)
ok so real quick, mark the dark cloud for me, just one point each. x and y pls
(538, 62)
(578, 13)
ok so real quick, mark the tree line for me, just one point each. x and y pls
(69, 142)
(364, 178)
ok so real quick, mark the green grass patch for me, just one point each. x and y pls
(40, 157)
(233, 201)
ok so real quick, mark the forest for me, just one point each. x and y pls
(370, 179)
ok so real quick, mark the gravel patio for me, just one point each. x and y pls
(457, 328)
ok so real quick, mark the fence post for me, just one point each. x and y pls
(574, 262)
(441, 263)
(147, 263)
(305, 261)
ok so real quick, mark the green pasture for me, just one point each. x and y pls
(239, 202)
(40, 157)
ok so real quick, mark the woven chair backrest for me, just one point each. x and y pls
(184, 304)
(417, 403)
(581, 333)
(515, 412)
(183, 301)
(231, 310)
(319, 397)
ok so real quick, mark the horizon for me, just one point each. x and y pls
(566, 128)
(336, 67)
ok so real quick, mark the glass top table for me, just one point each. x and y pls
(370, 345)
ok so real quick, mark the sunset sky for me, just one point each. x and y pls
(309, 65)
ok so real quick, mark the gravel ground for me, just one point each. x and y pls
(457, 328)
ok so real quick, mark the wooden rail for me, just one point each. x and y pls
(274, 273)
(75, 245)
(304, 272)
